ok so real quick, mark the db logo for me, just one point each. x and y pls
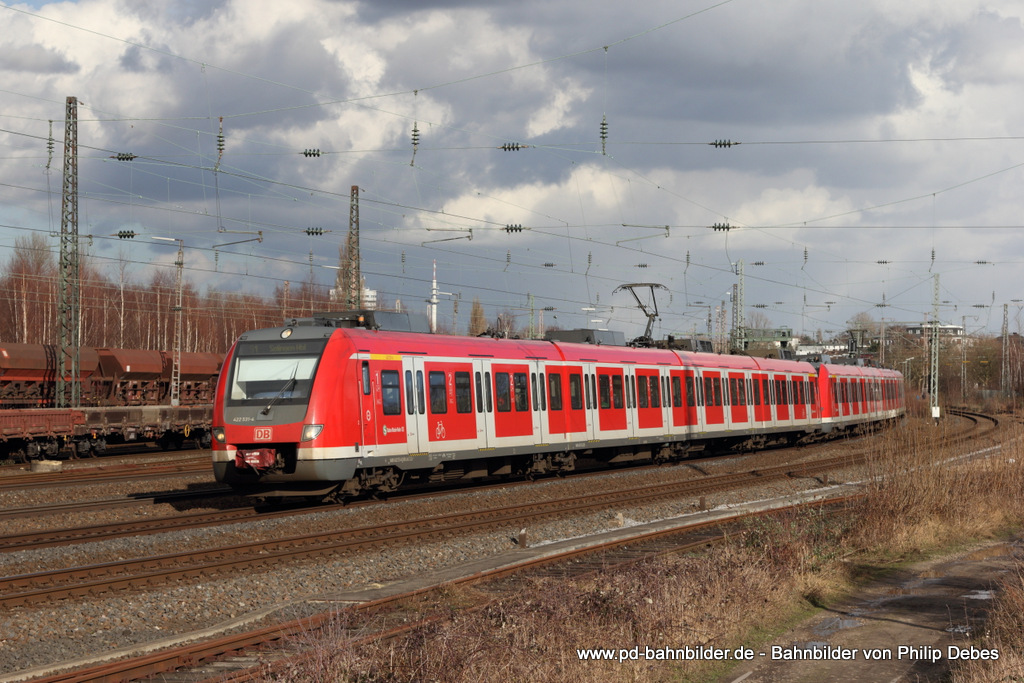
(262, 433)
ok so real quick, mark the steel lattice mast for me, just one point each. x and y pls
(68, 302)
(353, 284)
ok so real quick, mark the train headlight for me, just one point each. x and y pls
(310, 432)
(218, 434)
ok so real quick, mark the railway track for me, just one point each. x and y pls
(232, 658)
(198, 520)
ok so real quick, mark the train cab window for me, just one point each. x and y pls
(421, 401)
(463, 393)
(479, 394)
(519, 383)
(410, 401)
(677, 391)
(543, 394)
(555, 390)
(605, 392)
(616, 392)
(366, 378)
(533, 390)
(438, 393)
(502, 392)
(691, 395)
(575, 392)
(487, 391)
(390, 392)
(642, 394)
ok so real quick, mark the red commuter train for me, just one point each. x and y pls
(316, 409)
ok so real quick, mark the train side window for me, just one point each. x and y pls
(479, 394)
(410, 402)
(756, 386)
(632, 390)
(586, 388)
(709, 392)
(438, 393)
(390, 392)
(502, 392)
(732, 391)
(655, 393)
(543, 394)
(421, 401)
(616, 391)
(700, 390)
(575, 392)
(641, 396)
(666, 398)
(814, 393)
(691, 395)
(717, 385)
(533, 390)
(519, 383)
(555, 390)
(366, 378)
(605, 392)
(463, 393)
(487, 391)
(677, 391)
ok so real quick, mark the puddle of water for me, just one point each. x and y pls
(978, 595)
(830, 626)
(999, 550)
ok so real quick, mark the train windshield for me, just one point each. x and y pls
(276, 371)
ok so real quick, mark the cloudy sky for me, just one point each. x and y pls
(880, 144)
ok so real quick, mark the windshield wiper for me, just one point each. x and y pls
(287, 385)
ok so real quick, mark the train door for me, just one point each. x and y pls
(648, 399)
(413, 382)
(762, 398)
(611, 406)
(368, 412)
(799, 394)
(538, 403)
(714, 413)
(781, 398)
(513, 419)
(738, 398)
(483, 404)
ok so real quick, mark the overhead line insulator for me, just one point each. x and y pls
(125, 234)
(721, 227)
(723, 143)
(315, 231)
(311, 153)
(124, 156)
(514, 228)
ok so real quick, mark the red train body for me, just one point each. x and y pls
(314, 410)
(125, 395)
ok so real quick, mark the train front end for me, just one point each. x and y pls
(273, 413)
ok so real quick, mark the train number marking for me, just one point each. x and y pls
(263, 434)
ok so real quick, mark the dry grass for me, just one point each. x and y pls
(917, 503)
